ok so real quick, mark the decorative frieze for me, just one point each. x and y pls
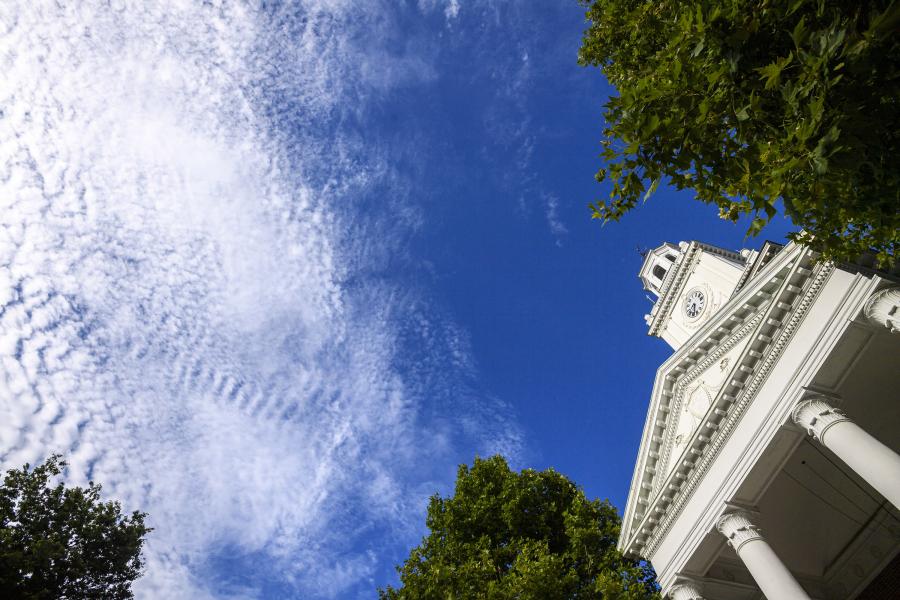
(649, 543)
(714, 358)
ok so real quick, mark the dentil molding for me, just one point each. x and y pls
(785, 333)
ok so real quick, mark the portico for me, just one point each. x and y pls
(769, 463)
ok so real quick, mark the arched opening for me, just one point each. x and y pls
(659, 272)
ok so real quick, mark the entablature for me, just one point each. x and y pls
(749, 331)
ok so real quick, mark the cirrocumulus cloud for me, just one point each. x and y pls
(187, 310)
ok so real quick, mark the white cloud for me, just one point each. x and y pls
(184, 310)
(451, 8)
(551, 211)
(451, 11)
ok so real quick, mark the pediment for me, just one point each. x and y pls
(700, 391)
(697, 393)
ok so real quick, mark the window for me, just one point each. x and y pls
(659, 272)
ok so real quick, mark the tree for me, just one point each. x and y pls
(528, 535)
(749, 102)
(58, 542)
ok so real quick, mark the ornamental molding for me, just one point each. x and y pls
(756, 263)
(798, 284)
(674, 281)
(883, 308)
(739, 528)
(742, 402)
(684, 383)
(816, 415)
(686, 590)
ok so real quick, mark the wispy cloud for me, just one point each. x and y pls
(551, 211)
(187, 307)
(450, 8)
(510, 118)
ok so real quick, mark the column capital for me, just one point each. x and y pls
(739, 527)
(685, 589)
(816, 415)
(883, 308)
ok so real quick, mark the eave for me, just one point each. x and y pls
(766, 309)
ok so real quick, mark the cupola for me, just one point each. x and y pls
(657, 265)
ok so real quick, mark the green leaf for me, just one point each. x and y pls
(771, 73)
(799, 33)
(756, 225)
(529, 535)
(796, 5)
(698, 49)
(765, 82)
(651, 189)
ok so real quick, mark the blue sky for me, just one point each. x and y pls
(271, 271)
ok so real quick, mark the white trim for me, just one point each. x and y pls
(743, 397)
(749, 300)
(829, 336)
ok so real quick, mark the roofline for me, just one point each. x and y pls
(667, 377)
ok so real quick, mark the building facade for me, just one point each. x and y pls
(769, 465)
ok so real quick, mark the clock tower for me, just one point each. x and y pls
(691, 281)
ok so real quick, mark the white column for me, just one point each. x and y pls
(770, 574)
(872, 460)
(685, 590)
(883, 308)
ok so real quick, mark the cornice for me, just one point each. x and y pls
(675, 280)
(701, 367)
(818, 333)
(703, 341)
(752, 267)
(759, 369)
(759, 310)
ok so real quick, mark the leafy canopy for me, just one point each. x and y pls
(752, 101)
(58, 542)
(528, 535)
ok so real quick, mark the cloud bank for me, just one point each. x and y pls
(195, 305)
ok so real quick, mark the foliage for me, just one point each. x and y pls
(58, 542)
(528, 535)
(752, 101)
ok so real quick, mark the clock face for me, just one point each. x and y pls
(694, 304)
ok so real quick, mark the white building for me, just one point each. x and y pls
(769, 466)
